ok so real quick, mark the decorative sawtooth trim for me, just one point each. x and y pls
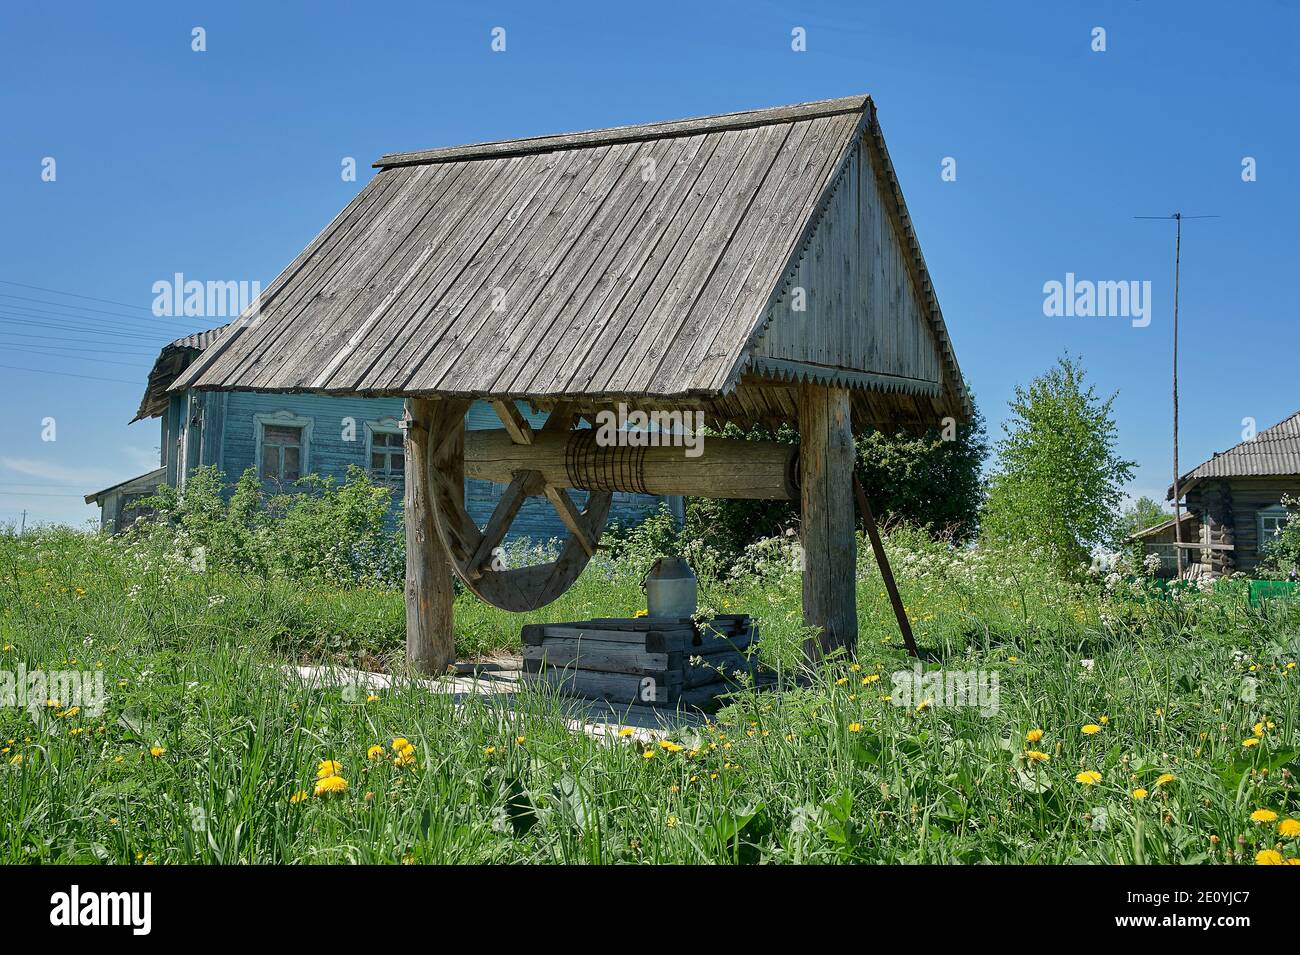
(801, 373)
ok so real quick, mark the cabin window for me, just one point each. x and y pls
(282, 447)
(385, 452)
(1271, 522)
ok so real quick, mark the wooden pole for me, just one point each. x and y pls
(826, 522)
(430, 639)
(1178, 513)
(882, 561)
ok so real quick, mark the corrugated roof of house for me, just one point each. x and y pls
(174, 358)
(1272, 452)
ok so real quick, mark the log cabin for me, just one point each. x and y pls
(1235, 502)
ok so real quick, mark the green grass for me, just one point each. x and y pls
(193, 664)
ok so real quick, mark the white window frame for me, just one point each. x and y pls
(1267, 513)
(382, 426)
(284, 419)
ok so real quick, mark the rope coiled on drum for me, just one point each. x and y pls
(593, 467)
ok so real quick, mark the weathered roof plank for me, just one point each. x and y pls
(558, 267)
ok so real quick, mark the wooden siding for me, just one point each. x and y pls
(229, 440)
(862, 311)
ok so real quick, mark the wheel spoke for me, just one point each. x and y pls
(572, 519)
(512, 499)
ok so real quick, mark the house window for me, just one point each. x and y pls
(282, 447)
(385, 452)
(1271, 522)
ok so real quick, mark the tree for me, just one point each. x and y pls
(1059, 480)
(931, 480)
(1139, 515)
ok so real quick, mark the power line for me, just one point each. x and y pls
(37, 494)
(26, 320)
(78, 344)
(89, 298)
(29, 350)
(69, 305)
(120, 321)
(68, 374)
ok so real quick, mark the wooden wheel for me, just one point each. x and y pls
(474, 552)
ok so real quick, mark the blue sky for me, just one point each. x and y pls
(223, 165)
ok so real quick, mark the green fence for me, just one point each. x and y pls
(1261, 590)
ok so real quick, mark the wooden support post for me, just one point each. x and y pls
(430, 640)
(826, 524)
(882, 561)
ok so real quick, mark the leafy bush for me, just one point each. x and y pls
(1281, 558)
(929, 481)
(339, 533)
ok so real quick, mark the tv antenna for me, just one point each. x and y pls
(1178, 218)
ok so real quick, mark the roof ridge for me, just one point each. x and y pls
(662, 129)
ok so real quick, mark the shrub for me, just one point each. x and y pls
(339, 533)
(1281, 556)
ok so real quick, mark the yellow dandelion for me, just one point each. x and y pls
(841, 681)
(670, 746)
(1258, 729)
(400, 744)
(331, 784)
(1288, 828)
(299, 796)
(1139, 794)
(374, 753)
(923, 705)
(1033, 736)
(1263, 815)
(1089, 777)
(1103, 720)
(157, 751)
(671, 822)
(1164, 778)
(1268, 857)
(626, 731)
(520, 740)
(1090, 729)
(648, 754)
(328, 768)
(1248, 743)
(1034, 756)
(870, 678)
(855, 727)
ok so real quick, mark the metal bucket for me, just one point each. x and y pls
(671, 589)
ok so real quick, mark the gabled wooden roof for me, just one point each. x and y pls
(637, 262)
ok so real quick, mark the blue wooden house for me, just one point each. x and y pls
(288, 435)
